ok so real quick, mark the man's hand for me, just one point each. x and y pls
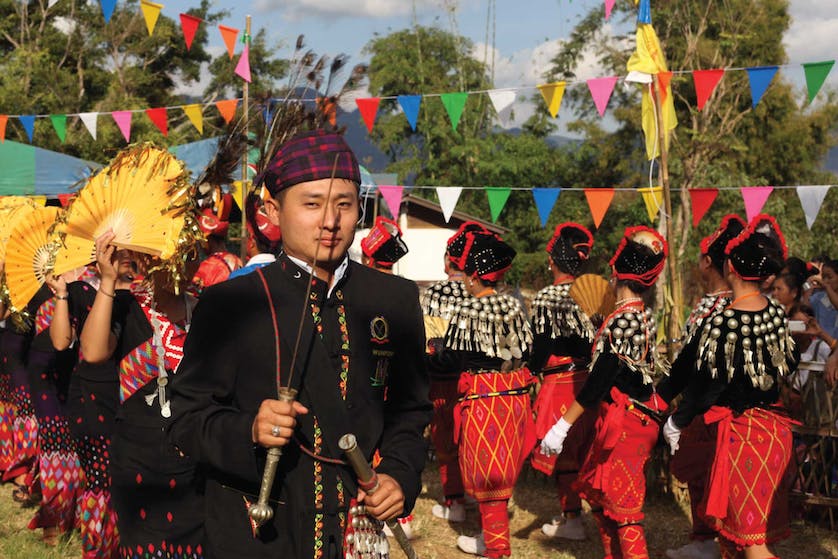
(275, 422)
(388, 500)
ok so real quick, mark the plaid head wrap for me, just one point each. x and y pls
(758, 251)
(640, 255)
(714, 245)
(486, 256)
(307, 157)
(570, 247)
(384, 244)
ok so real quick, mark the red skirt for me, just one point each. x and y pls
(495, 431)
(695, 453)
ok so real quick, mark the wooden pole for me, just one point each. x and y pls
(245, 180)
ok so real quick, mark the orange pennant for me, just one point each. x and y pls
(227, 108)
(3, 120)
(664, 79)
(599, 199)
(229, 35)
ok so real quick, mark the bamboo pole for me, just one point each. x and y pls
(245, 180)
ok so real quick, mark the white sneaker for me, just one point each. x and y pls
(407, 527)
(474, 545)
(455, 512)
(706, 549)
(565, 528)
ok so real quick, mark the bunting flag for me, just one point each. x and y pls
(39, 200)
(243, 66)
(664, 80)
(755, 198)
(107, 9)
(410, 107)
(28, 123)
(52, 3)
(599, 199)
(454, 104)
(653, 198)
(160, 118)
(601, 90)
(227, 109)
(701, 200)
(609, 5)
(368, 107)
(545, 199)
(759, 79)
(393, 197)
(151, 11)
(553, 93)
(705, 83)
(4, 119)
(644, 12)
(193, 112)
(448, 196)
(64, 199)
(811, 198)
(229, 34)
(189, 25)
(123, 121)
(497, 200)
(816, 73)
(238, 194)
(502, 100)
(59, 124)
(90, 121)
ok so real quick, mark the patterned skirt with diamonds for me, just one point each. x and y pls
(24, 426)
(8, 411)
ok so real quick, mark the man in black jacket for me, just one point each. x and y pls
(358, 367)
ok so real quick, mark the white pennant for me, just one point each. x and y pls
(448, 196)
(89, 120)
(52, 3)
(502, 100)
(811, 198)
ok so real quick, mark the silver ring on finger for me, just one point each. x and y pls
(275, 430)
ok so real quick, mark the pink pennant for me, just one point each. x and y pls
(123, 120)
(243, 66)
(601, 90)
(755, 198)
(393, 197)
(609, 5)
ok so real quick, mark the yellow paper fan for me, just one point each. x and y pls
(12, 208)
(593, 294)
(29, 254)
(140, 196)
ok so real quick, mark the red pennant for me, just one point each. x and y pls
(705, 82)
(369, 109)
(64, 199)
(702, 199)
(4, 119)
(227, 108)
(189, 24)
(160, 119)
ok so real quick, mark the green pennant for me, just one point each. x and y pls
(816, 73)
(497, 200)
(59, 122)
(454, 104)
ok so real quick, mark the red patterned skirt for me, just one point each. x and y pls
(444, 395)
(495, 431)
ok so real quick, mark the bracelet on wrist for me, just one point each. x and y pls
(103, 292)
(61, 297)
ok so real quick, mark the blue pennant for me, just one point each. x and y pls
(644, 12)
(545, 199)
(108, 8)
(410, 106)
(759, 79)
(28, 122)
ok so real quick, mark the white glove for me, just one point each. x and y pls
(554, 439)
(672, 434)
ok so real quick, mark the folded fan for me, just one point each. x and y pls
(29, 255)
(12, 208)
(593, 295)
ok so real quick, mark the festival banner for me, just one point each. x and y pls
(553, 93)
(151, 11)
(811, 198)
(502, 100)
(59, 124)
(123, 121)
(599, 199)
(759, 79)
(368, 107)
(227, 109)
(160, 118)
(816, 73)
(705, 83)
(243, 65)
(193, 113)
(653, 199)
(393, 197)
(601, 90)
(90, 121)
(701, 200)
(229, 35)
(107, 9)
(448, 196)
(755, 198)
(545, 199)
(28, 123)
(497, 200)
(454, 104)
(189, 25)
(609, 5)
(410, 107)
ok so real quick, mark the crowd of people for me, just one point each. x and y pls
(168, 409)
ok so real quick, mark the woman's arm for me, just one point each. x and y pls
(60, 329)
(97, 341)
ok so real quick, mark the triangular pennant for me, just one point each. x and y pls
(701, 199)
(189, 25)
(454, 104)
(90, 121)
(601, 90)
(52, 3)
(368, 107)
(107, 9)
(410, 106)
(160, 118)
(238, 194)
(545, 199)
(705, 82)
(553, 93)
(502, 100)
(664, 79)
(59, 123)
(123, 121)
(227, 109)
(151, 11)
(497, 200)
(28, 123)
(229, 35)
(599, 199)
(609, 5)
(759, 80)
(4, 119)
(755, 198)
(816, 73)
(243, 65)
(653, 198)
(448, 196)
(193, 112)
(393, 197)
(64, 199)
(811, 198)
(38, 200)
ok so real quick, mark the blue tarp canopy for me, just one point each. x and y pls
(30, 170)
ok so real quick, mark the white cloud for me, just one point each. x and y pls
(300, 9)
(811, 36)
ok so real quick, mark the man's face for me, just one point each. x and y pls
(315, 222)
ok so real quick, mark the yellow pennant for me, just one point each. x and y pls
(238, 194)
(151, 11)
(553, 93)
(39, 200)
(195, 117)
(653, 198)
